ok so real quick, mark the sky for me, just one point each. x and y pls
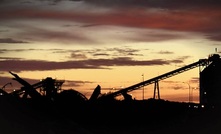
(111, 43)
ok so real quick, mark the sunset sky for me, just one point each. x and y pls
(108, 42)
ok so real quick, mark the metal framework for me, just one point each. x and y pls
(156, 93)
(201, 62)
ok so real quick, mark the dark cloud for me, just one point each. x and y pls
(141, 20)
(165, 52)
(9, 58)
(156, 3)
(101, 54)
(90, 25)
(192, 16)
(127, 61)
(26, 2)
(73, 83)
(60, 50)
(177, 87)
(3, 51)
(10, 40)
(214, 36)
(78, 56)
(20, 50)
(3, 31)
(34, 65)
(140, 3)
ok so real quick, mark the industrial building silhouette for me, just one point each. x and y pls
(210, 82)
(45, 101)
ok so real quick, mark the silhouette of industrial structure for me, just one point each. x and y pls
(48, 98)
(210, 82)
(201, 63)
(210, 79)
(209, 72)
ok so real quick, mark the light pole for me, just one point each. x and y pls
(143, 85)
(189, 91)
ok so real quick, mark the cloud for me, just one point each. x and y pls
(193, 16)
(165, 52)
(10, 40)
(104, 52)
(101, 54)
(194, 80)
(78, 56)
(34, 65)
(45, 34)
(20, 50)
(90, 25)
(124, 51)
(127, 61)
(75, 54)
(3, 31)
(214, 36)
(73, 83)
(156, 3)
(175, 21)
(9, 58)
(3, 51)
(177, 87)
(132, 3)
(183, 57)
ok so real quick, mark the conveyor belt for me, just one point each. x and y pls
(158, 78)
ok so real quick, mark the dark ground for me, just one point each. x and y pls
(115, 117)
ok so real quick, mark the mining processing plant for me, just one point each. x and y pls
(210, 79)
(57, 110)
(209, 72)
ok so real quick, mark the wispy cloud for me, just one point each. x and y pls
(3, 31)
(73, 83)
(34, 65)
(10, 40)
(178, 87)
(194, 80)
(165, 52)
(101, 54)
(156, 3)
(78, 56)
(53, 35)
